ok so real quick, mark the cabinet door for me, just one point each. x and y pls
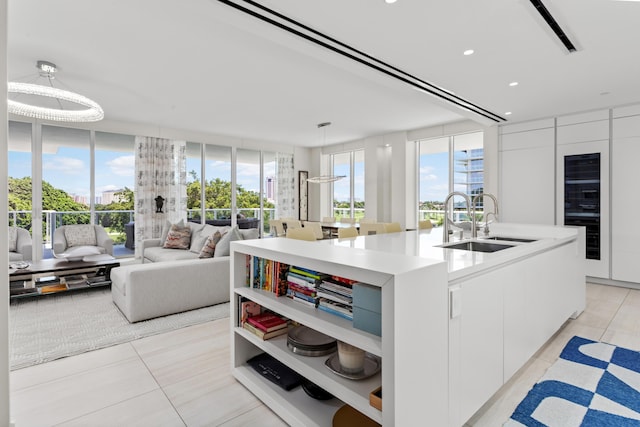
(625, 202)
(476, 345)
(527, 177)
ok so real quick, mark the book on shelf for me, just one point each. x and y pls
(302, 300)
(301, 281)
(300, 296)
(248, 308)
(267, 275)
(97, 280)
(307, 272)
(334, 312)
(23, 291)
(275, 371)
(343, 308)
(302, 289)
(268, 322)
(262, 334)
(334, 296)
(340, 289)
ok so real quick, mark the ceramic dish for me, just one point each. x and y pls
(308, 337)
(371, 367)
(310, 352)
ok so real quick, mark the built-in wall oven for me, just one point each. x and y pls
(582, 198)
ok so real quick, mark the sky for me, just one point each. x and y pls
(68, 170)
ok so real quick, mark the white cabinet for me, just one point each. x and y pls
(527, 171)
(625, 202)
(413, 346)
(476, 342)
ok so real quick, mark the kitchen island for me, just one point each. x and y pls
(456, 324)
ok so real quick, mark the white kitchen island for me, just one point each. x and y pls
(456, 324)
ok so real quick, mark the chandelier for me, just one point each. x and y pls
(324, 178)
(92, 112)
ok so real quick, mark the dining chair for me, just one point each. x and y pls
(346, 220)
(315, 227)
(301, 234)
(365, 220)
(293, 223)
(393, 227)
(347, 232)
(276, 229)
(425, 225)
(369, 228)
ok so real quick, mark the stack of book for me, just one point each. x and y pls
(302, 283)
(266, 325)
(335, 296)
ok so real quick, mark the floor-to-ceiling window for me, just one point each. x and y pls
(114, 175)
(19, 169)
(348, 192)
(446, 164)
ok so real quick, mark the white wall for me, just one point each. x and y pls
(4, 254)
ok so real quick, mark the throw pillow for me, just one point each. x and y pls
(210, 246)
(80, 235)
(249, 233)
(13, 239)
(178, 237)
(223, 248)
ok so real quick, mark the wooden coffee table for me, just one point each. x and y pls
(58, 275)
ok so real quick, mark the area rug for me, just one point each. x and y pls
(43, 329)
(591, 384)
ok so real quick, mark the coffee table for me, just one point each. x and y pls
(51, 276)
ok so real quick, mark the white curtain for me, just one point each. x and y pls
(160, 171)
(286, 191)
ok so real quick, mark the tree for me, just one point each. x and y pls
(20, 190)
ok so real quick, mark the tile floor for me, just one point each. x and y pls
(183, 377)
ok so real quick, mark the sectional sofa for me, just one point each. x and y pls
(175, 280)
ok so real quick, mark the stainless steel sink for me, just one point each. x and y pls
(476, 246)
(509, 239)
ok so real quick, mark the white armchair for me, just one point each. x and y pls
(69, 240)
(19, 244)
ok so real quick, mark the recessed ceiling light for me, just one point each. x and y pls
(390, 1)
(508, 113)
(468, 52)
(513, 84)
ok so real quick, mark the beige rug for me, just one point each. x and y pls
(43, 329)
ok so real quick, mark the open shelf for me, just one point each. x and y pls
(319, 320)
(353, 392)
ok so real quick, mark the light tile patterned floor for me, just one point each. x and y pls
(182, 378)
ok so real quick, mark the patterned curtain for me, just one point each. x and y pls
(286, 187)
(161, 171)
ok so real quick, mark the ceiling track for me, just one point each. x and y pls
(303, 31)
(553, 24)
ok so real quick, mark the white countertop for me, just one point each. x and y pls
(461, 263)
(396, 252)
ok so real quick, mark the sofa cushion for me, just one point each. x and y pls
(13, 239)
(249, 233)
(179, 237)
(159, 254)
(209, 247)
(80, 235)
(223, 246)
(198, 238)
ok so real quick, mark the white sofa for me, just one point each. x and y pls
(175, 280)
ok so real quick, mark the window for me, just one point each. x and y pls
(452, 163)
(348, 192)
(114, 174)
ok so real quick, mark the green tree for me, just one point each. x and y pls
(123, 201)
(20, 190)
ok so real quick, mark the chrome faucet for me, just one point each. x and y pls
(445, 233)
(474, 231)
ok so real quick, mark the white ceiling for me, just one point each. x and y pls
(205, 67)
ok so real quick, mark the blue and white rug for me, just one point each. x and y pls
(591, 384)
